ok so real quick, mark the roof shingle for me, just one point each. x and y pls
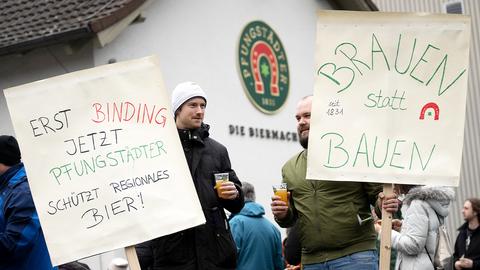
(27, 24)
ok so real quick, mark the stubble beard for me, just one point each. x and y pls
(303, 141)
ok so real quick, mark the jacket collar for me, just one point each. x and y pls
(6, 176)
(465, 227)
(194, 135)
(194, 138)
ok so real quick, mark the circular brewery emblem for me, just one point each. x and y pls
(263, 67)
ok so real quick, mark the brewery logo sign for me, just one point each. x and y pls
(263, 67)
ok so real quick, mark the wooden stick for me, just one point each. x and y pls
(386, 234)
(132, 258)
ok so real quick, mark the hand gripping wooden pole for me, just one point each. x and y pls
(385, 237)
(132, 258)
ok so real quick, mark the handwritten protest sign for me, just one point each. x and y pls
(389, 99)
(103, 158)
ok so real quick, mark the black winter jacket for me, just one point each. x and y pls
(209, 246)
(473, 252)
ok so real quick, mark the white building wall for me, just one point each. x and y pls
(197, 41)
(35, 65)
(470, 173)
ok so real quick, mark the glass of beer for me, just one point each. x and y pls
(281, 191)
(219, 179)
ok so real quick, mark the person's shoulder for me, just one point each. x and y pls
(463, 227)
(300, 157)
(210, 142)
(19, 185)
(213, 141)
(418, 205)
(204, 133)
(274, 228)
(19, 195)
(237, 219)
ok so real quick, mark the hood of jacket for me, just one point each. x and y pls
(252, 209)
(8, 174)
(202, 132)
(438, 198)
(190, 137)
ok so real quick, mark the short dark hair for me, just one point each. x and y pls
(248, 192)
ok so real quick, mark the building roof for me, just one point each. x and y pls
(28, 24)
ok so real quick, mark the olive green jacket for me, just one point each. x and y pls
(328, 213)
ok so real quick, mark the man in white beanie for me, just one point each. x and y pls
(208, 246)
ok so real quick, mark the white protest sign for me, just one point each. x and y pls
(103, 158)
(389, 98)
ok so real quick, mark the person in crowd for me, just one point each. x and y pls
(424, 209)
(22, 244)
(209, 246)
(74, 266)
(118, 264)
(467, 245)
(292, 250)
(259, 244)
(328, 212)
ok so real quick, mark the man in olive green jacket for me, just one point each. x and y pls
(333, 217)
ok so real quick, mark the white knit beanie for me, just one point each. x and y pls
(118, 264)
(185, 91)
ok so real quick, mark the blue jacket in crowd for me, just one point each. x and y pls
(258, 241)
(22, 245)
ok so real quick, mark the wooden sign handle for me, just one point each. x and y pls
(132, 258)
(386, 234)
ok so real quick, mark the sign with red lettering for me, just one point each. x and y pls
(103, 158)
(389, 100)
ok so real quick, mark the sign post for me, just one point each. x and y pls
(132, 258)
(385, 238)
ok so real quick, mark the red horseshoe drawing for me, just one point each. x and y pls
(261, 49)
(433, 106)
